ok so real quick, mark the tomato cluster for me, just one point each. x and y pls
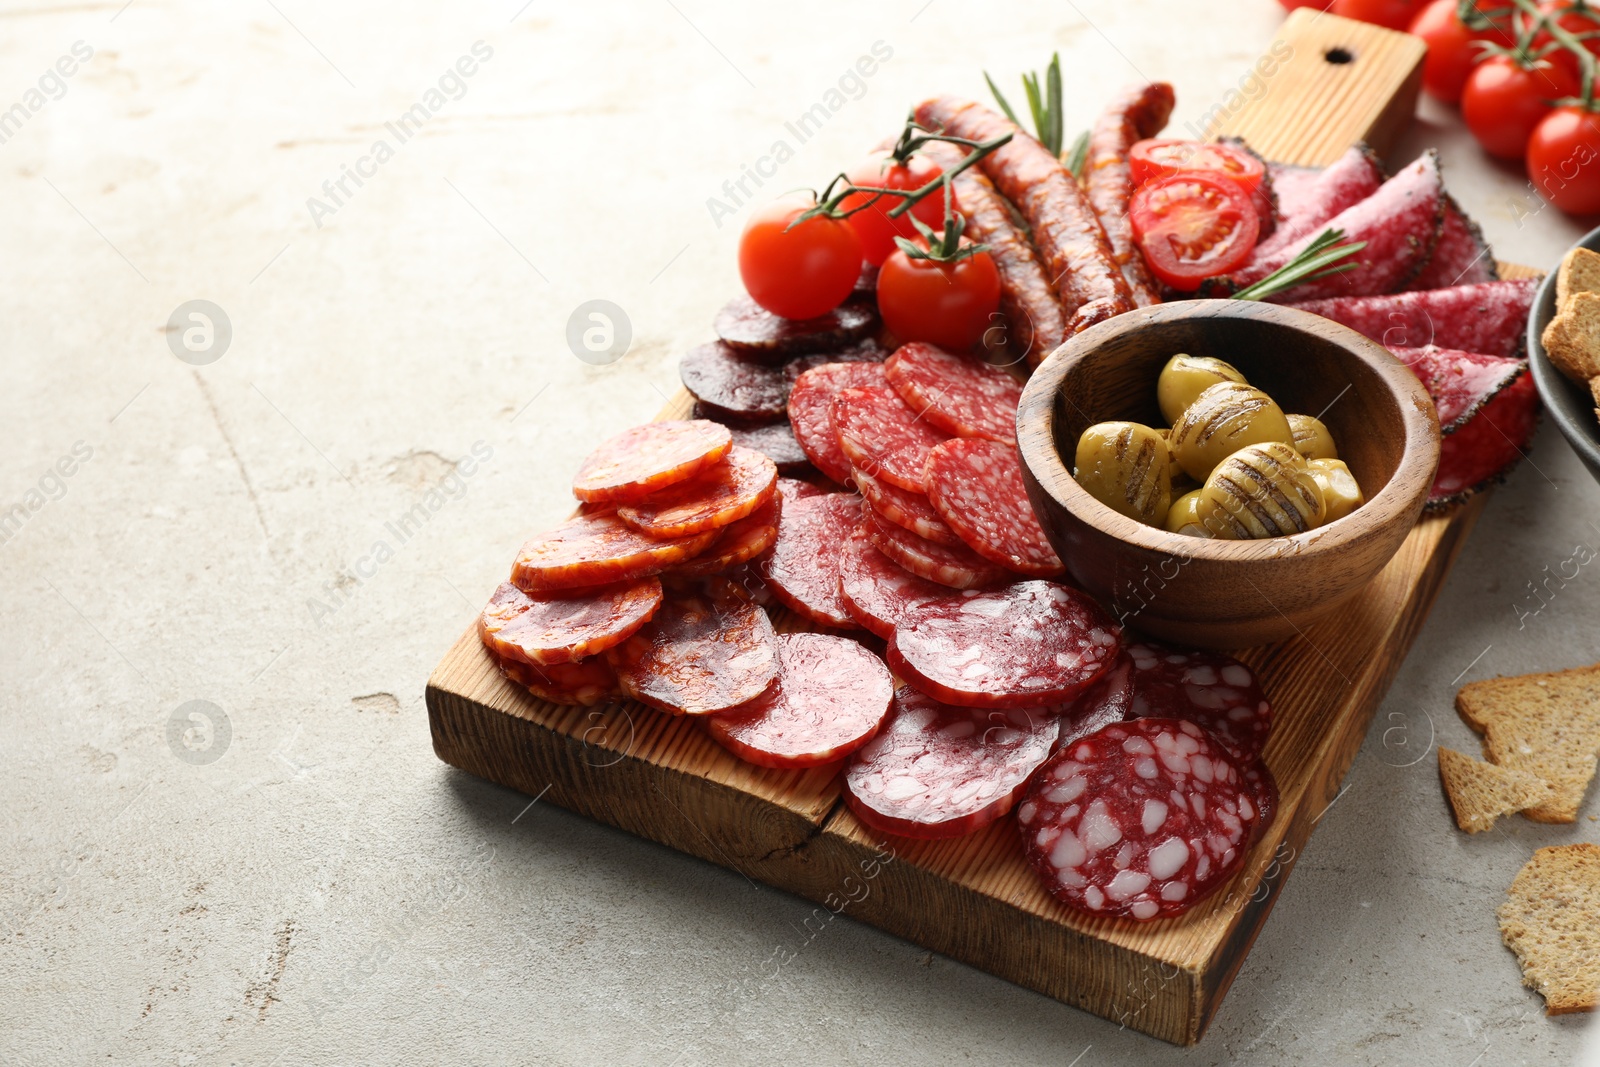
(1194, 212)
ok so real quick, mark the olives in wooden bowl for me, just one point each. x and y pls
(1227, 592)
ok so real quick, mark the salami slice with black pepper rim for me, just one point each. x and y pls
(936, 771)
(957, 395)
(731, 385)
(1209, 689)
(955, 566)
(906, 509)
(598, 549)
(1308, 199)
(1142, 820)
(1460, 383)
(1481, 452)
(1491, 317)
(829, 699)
(811, 414)
(759, 333)
(804, 569)
(1028, 644)
(976, 487)
(876, 590)
(881, 435)
(698, 656)
(638, 462)
(1462, 256)
(561, 629)
(718, 496)
(583, 684)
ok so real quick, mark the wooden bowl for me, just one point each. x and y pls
(1228, 594)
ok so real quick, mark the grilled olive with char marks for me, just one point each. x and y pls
(1267, 489)
(1124, 466)
(1223, 419)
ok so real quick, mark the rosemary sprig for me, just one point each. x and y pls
(1045, 106)
(1078, 154)
(1319, 259)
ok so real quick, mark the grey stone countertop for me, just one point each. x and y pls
(307, 883)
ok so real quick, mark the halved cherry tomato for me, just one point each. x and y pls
(1395, 14)
(799, 273)
(1192, 226)
(1155, 158)
(873, 225)
(1505, 100)
(1564, 159)
(1452, 49)
(945, 304)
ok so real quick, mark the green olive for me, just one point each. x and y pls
(1186, 377)
(1340, 491)
(1183, 518)
(1266, 488)
(1311, 437)
(1223, 419)
(1124, 466)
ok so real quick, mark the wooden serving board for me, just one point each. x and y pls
(975, 898)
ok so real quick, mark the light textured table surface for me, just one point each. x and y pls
(324, 890)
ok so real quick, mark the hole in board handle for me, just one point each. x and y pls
(1339, 56)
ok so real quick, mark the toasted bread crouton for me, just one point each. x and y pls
(1572, 338)
(1551, 920)
(1547, 725)
(1579, 273)
(1481, 792)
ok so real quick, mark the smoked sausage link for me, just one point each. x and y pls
(1139, 112)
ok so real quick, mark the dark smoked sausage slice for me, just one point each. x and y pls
(775, 440)
(1071, 242)
(699, 656)
(760, 334)
(803, 571)
(731, 385)
(1140, 111)
(562, 629)
(598, 549)
(936, 771)
(1141, 820)
(637, 462)
(829, 699)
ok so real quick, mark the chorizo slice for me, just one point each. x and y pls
(562, 629)
(714, 498)
(698, 656)
(637, 462)
(739, 543)
(585, 684)
(598, 549)
(1138, 112)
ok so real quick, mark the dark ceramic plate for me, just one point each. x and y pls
(1571, 405)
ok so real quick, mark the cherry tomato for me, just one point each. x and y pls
(1452, 49)
(1291, 5)
(799, 273)
(945, 304)
(1192, 226)
(1578, 19)
(1395, 14)
(1564, 159)
(1155, 158)
(1503, 101)
(873, 225)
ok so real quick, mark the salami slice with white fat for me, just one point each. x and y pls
(1028, 644)
(955, 566)
(698, 656)
(561, 629)
(1142, 820)
(958, 395)
(937, 771)
(1211, 690)
(881, 435)
(1109, 700)
(583, 684)
(803, 571)
(598, 549)
(716, 497)
(811, 414)
(829, 699)
(637, 462)
(876, 590)
(905, 508)
(976, 487)
(1308, 199)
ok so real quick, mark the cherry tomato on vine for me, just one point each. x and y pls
(1564, 159)
(1320, 5)
(1193, 226)
(1577, 17)
(799, 273)
(1452, 49)
(873, 225)
(1504, 100)
(1395, 14)
(1155, 158)
(945, 304)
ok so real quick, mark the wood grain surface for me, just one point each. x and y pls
(974, 898)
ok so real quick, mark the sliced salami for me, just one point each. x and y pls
(739, 543)
(876, 590)
(717, 497)
(957, 395)
(1488, 445)
(936, 771)
(562, 629)
(905, 508)
(637, 462)
(598, 549)
(804, 569)
(1143, 820)
(810, 412)
(584, 684)
(881, 435)
(955, 566)
(1460, 383)
(747, 326)
(1462, 256)
(976, 487)
(1109, 700)
(1292, 186)
(1264, 788)
(829, 699)
(1028, 644)
(1490, 317)
(731, 385)
(698, 656)
(868, 351)
(1308, 201)
(791, 489)
(1211, 690)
